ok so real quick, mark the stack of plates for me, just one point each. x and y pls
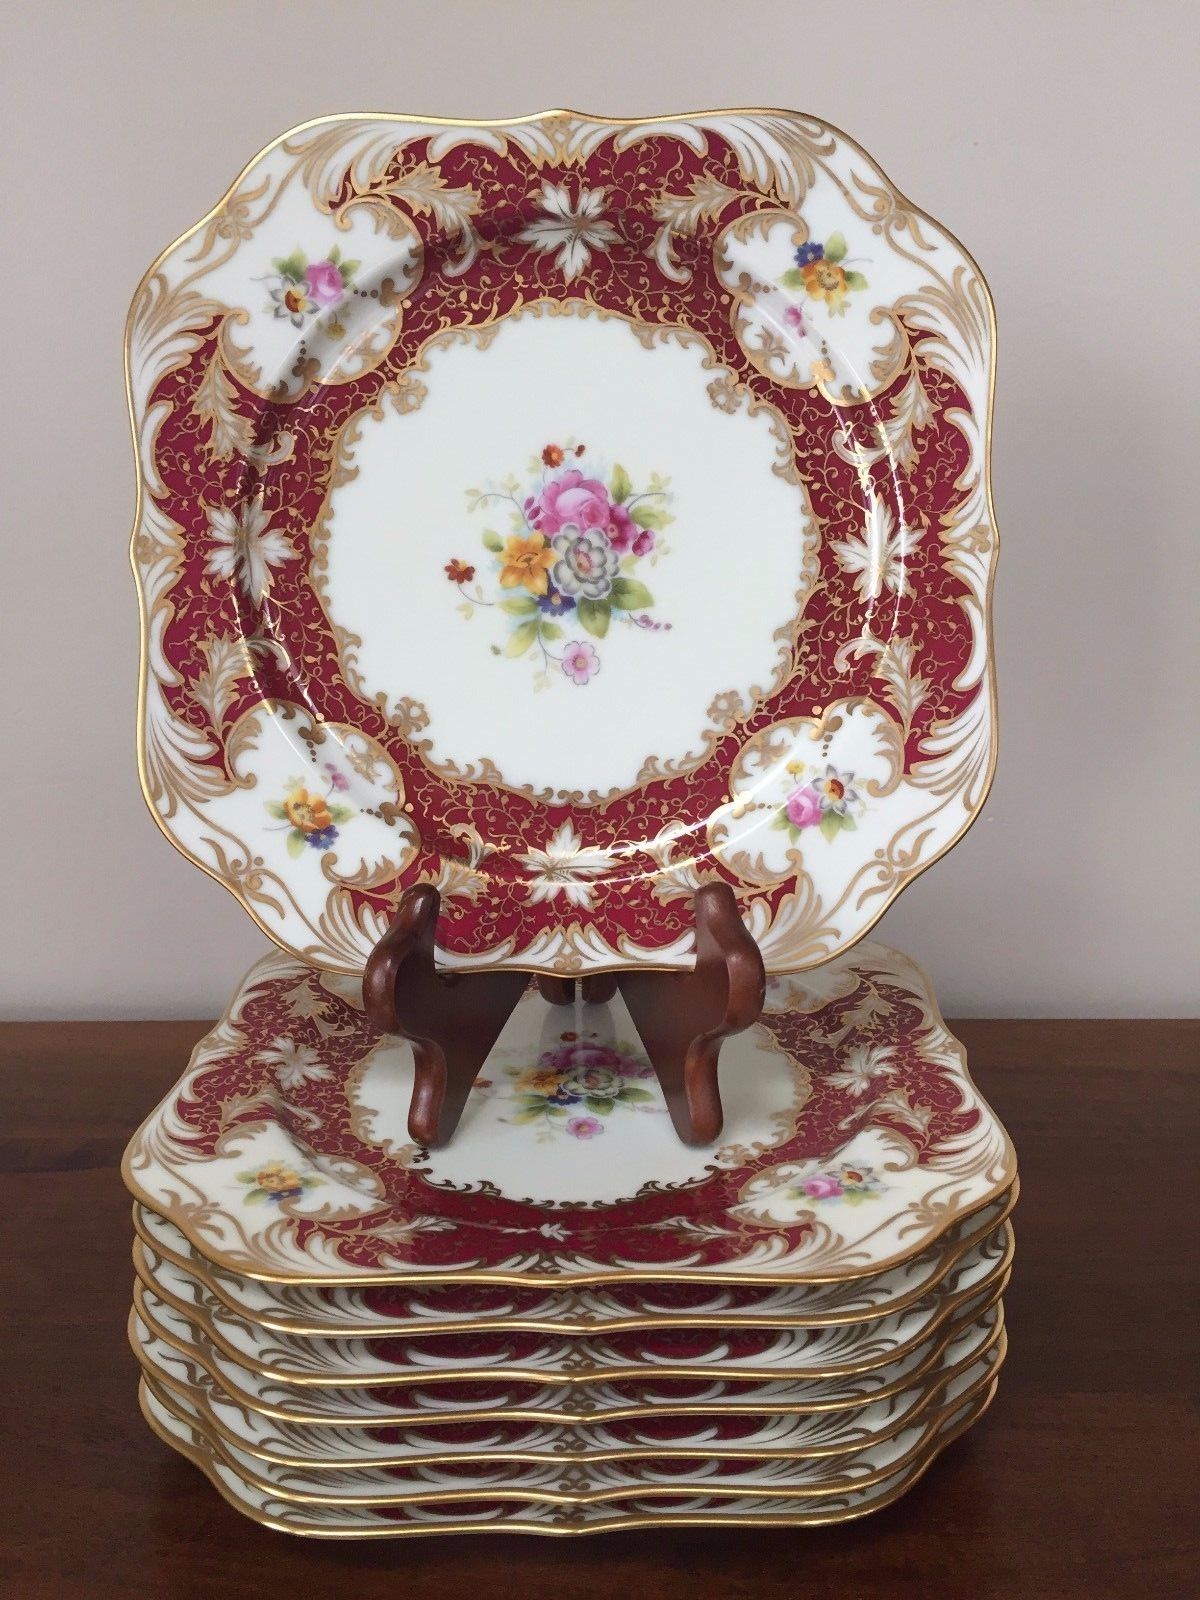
(566, 1321)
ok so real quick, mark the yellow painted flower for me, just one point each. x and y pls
(276, 1178)
(308, 812)
(539, 1081)
(826, 280)
(796, 768)
(527, 563)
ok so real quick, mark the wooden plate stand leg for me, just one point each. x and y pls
(452, 1020)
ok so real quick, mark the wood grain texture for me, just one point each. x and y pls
(1077, 1485)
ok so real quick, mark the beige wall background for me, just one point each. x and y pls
(1056, 138)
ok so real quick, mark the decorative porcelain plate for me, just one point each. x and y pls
(167, 1340)
(663, 1436)
(854, 1140)
(734, 1353)
(387, 1311)
(565, 512)
(594, 1482)
(179, 1425)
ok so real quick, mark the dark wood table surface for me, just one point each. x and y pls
(1079, 1482)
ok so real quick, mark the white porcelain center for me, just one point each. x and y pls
(564, 543)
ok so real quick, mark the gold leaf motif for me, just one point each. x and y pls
(215, 405)
(683, 213)
(228, 662)
(425, 191)
(894, 667)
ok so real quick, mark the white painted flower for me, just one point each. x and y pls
(573, 231)
(862, 1065)
(878, 555)
(294, 1064)
(563, 868)
(246, 547)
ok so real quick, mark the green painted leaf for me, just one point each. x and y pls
(534, 1114)
(632, 1092)
(245, 1177)
(341, 813)
(519, 605)
(277, 810)
(348, 269)
(630, 595)
(598, 1107)
(595, 616)
(651, 516)
(551, 630)
(848, 824)
(855, 280)
(831, 824)
(855, 1197)
(522, 638)
(255, 1197)
(793, 278)
(835, 247)
(295, 843)
(619, 485)
(292, 266)
(492, 541)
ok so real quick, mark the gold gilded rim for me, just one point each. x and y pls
(199, 1269)
(213, 1424)
(202, 1358)
(991, 1286)
(203, 1459)
(410, 119)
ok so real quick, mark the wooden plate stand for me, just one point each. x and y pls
(452, 1019)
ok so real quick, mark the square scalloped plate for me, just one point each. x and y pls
(736, 1353)
(565, 512)
(395, 1311)
(663, 1434)
(167, 1340)
(772, 1496)
(854, 1141)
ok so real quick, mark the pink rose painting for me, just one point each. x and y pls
(822, 1187)
(325, 284)
(584, 503)
(804, 806)
(585, 1127)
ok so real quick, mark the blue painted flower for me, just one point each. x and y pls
(323, 838)
(562, 1096)
(808, 253)
(554, 603)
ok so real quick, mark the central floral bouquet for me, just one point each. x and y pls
(577, 1085)
(577, 538)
